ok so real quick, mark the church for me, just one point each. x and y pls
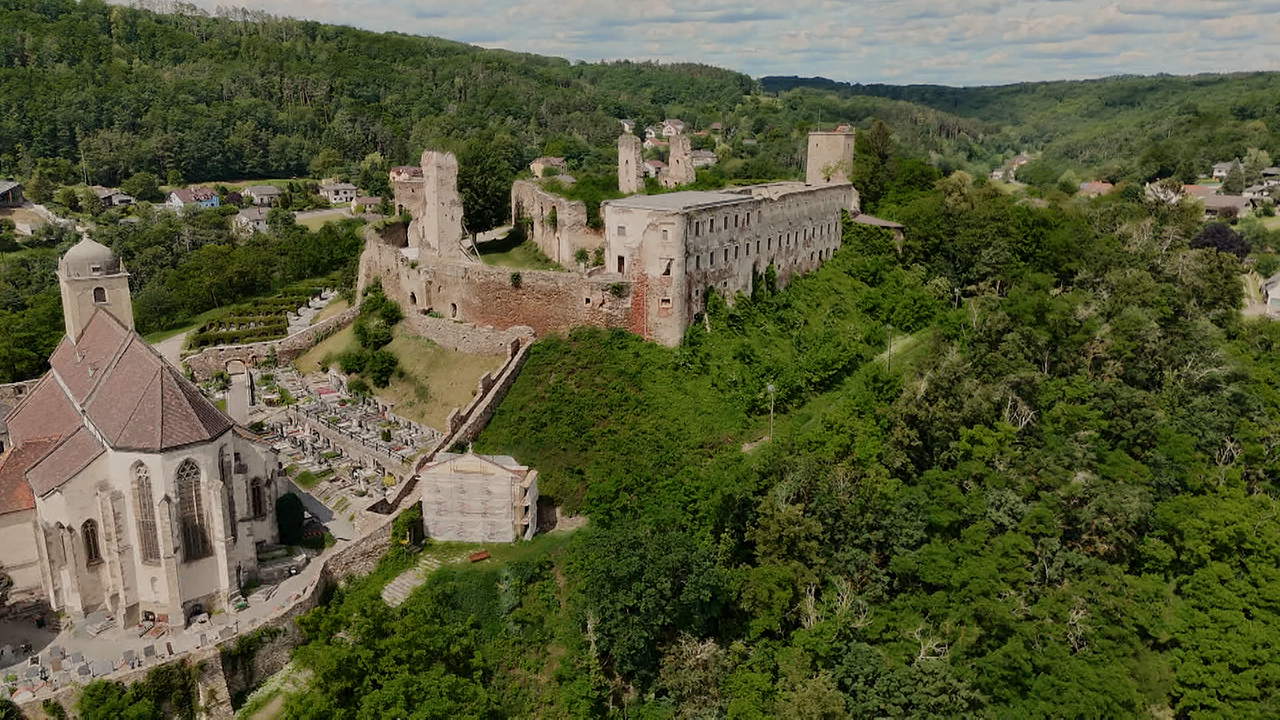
(122, 488)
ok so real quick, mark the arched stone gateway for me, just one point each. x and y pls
(236, 367)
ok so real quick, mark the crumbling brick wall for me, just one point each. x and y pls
(489, 296)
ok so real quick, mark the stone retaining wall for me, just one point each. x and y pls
(211, 360)
(465, 337)
(220, 680)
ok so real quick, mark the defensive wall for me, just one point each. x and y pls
(546, 301)
(558, 226)
(261, 649)
(214, 359)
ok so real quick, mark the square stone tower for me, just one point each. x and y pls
(830, 157)
(436, 227)
(629, 164)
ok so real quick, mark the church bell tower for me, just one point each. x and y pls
(90, 276)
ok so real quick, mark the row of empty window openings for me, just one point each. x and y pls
(783, 241)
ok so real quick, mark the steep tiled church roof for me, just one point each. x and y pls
(108, 388)
(15, 493)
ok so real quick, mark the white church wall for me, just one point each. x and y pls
(21, 558)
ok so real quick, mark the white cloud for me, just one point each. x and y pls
(957, 42)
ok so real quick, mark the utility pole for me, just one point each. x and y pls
(771, 411)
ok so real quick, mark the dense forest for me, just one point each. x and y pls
(1051, 496)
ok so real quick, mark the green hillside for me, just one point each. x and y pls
(1121, 127)
(109, 91)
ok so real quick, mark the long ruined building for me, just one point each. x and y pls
(662, 252)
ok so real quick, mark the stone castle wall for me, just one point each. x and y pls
(558, 226)
(630, 164)
(484, 295)
(211, 360)
(465, 337)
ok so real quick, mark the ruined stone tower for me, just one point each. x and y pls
(679, 170)
(436, 227)
(830, 157)
(630, 178)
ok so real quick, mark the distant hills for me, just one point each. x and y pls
(1126, 126)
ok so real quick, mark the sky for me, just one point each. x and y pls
(952, 42)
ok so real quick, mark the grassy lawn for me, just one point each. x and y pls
(196, 322)
(315, 222)
(432, 381)
(511, 252)
(499, 553)
(333, 308)
(1271, 223)
(335, 345)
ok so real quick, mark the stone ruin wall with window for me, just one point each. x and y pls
(556, 225)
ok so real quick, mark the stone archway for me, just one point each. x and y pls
(236, 367)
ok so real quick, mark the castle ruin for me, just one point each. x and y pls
(663, 253)
(679, 170)
(630, 164)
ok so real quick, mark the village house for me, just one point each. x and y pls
(1198, 191)
(262, 195)
(702, 158)
(1270, 176)
(251, 220)
(369, 203)
(539, 166)
(654, 144)
(201, 197)
(652, 131)
(1221, 169)
(336, 191)
(125, 491)
(672, 127)
(1224, 207)
(478, 498)
(10, 193)
(653, 167)
(1000, 174)
(112, 197)
(1095, 188)
(1256, 192)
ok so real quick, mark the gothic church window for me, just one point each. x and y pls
(91, 552)
(195, 532)
(145, 511)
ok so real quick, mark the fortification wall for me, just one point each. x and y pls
(558, 226)
(465, 337)
(211, 360)
(489, 296)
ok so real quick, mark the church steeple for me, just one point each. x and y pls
(90, 277)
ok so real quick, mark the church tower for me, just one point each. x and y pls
(91, 276)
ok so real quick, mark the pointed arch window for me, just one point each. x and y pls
(191, 515)
(257, 500)
(90, 533)
(145, 512)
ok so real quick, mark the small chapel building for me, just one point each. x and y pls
(123, 489)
